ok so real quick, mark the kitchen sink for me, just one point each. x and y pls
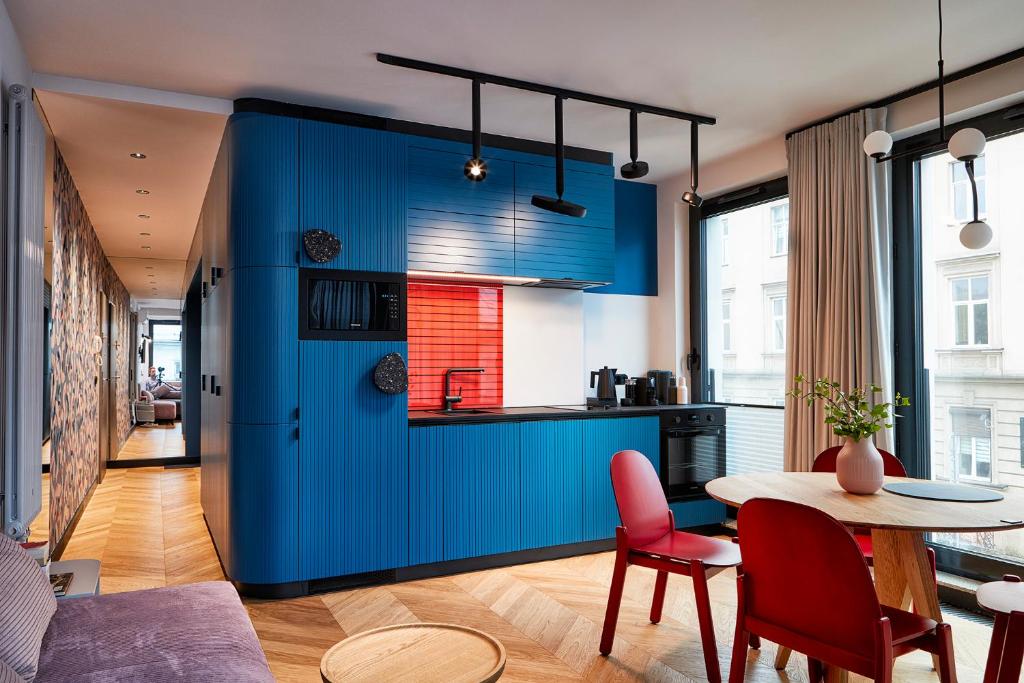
(463, 411)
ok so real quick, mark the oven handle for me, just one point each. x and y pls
(699, 431)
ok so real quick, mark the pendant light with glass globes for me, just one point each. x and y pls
(966, 145)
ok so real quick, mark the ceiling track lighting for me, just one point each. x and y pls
(966, 145)
(476, 169)
(691, 197)
(634, 169)
(557, 204)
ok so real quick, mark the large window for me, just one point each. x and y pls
(739, 326)
(959, 333)
(166, 349)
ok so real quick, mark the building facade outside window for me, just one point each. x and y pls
(971, 434)
(726, 326)
(724, 231)
(777, 308)
(780, 229)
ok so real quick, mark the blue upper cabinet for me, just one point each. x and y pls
(352, 183)
(455, 224)
(636, 240)
(553, 246)
(603, 438)
(263, 202)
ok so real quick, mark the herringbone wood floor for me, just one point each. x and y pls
(146, 526)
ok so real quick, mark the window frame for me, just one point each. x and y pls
(969, 305)
(955, 447)
(702, 380)
(153, 324)
(912, 431)
(771, 232)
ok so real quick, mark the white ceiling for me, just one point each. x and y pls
(95, 137)
(761, 67)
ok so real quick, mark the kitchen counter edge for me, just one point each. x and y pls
(426, 418)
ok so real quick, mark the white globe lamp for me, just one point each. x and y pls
(967, 143)
(976, 235)
(877, 144)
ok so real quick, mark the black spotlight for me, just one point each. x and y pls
(691, 197)
(559, 205)
(634, 169)
(476, 169)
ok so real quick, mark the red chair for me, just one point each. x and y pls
(648, 538)
(1006, 600)
(805, 585)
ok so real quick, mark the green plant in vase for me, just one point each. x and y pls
(855, 416)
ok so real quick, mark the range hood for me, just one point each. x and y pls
(459, 276)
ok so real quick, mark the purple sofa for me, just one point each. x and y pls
(167, 407)
(197, 632)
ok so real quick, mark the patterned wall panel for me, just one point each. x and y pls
(455, 326)
(81, 272)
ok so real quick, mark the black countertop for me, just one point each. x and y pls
(423, 418)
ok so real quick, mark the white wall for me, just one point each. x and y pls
(544, 345)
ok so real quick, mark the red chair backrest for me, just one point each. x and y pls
(804, 572)
(826, 462)
(641, 500)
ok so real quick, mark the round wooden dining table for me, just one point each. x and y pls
(897, 523)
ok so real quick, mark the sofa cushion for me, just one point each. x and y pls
(26, 606)
(198, 632)
(161, 391)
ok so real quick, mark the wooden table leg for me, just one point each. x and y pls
(782, 657)
(836, 675)
(890, 575)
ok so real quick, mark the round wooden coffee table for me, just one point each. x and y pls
(420, 653)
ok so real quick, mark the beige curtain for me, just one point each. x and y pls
(839, 293)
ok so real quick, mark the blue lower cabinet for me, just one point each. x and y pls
(426, 494)
(551, 463)
(263, 508)
(603, 438)
(689, 513)
(482, 490)
(353, 464)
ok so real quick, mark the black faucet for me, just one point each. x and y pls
(449, 399)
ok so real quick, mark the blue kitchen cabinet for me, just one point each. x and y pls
(553, 246)
(455, 224)
(426, 494)
(603, 438)
(482, 490)
(352, 183)
(551, 467)
(352, 462)
(636, 240)
(262, 204)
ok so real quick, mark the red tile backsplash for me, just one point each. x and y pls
(455, 326)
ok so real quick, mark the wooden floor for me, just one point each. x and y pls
(155, 440)
(146, 527)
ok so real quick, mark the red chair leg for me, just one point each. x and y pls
(947, 664)
(611, 615)
(995, 650)
(1013, 649)
(815, 670)
(707, 626)
(659, 596)
(755, 641)
(738, 661)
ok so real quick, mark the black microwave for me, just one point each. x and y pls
(351, 305)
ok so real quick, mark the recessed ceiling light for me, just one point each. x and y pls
(143, 216)
(141, 191)
(144, 234)
(137, 155)
(146, 247)
(149, 267)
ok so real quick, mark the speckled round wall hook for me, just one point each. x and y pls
(391, 375)
(321, 246)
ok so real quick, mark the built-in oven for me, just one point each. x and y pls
(693, 452)
(351, 305)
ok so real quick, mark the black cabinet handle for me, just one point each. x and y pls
(213, 381)
(204, 382)
(217, 390)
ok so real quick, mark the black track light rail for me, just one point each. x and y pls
(563, 93)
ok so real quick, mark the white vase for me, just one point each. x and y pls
(859, 467)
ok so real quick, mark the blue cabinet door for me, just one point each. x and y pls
(550, 245)
(455, 224)
(264, 196)
(353, 461)
(426, 494)
(352, 183)
(482, 490)
(603, 438)
(551, 470)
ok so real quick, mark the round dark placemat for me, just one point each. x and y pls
(391, 375)
(957, 493)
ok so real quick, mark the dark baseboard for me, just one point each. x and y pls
(183, 461)
(58, 548)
